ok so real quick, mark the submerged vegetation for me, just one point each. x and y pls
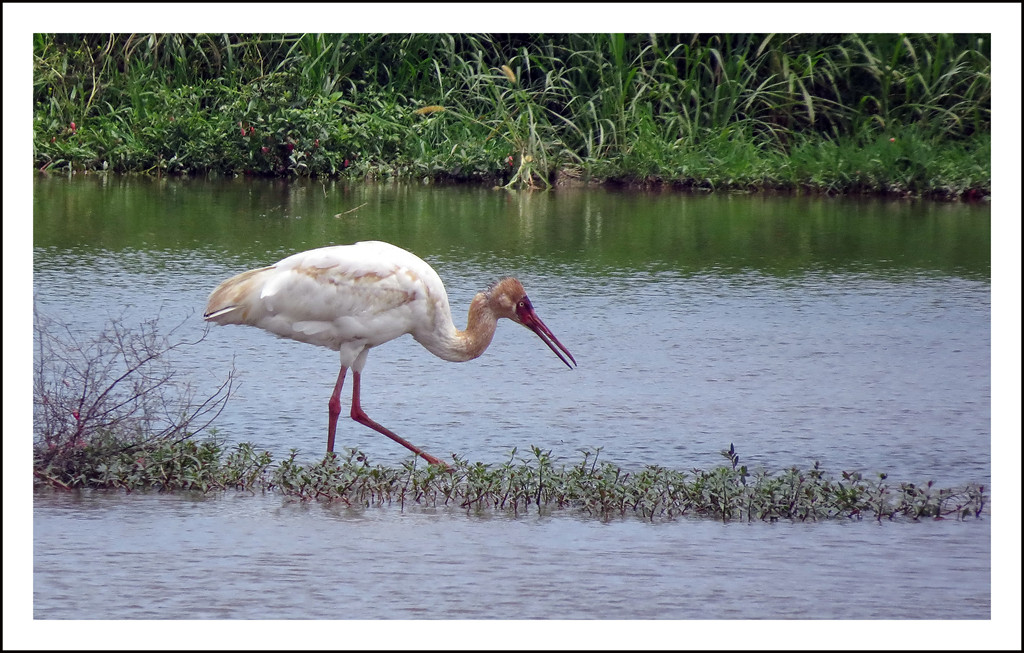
(879, 113)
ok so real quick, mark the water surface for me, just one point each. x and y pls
(854, 333)
(243, 557)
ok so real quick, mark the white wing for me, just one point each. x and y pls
(347, 297)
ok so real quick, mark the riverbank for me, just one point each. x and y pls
(902, 115)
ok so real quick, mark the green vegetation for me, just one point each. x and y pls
(879, 113)
(604, 490)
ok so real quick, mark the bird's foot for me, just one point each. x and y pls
(436, 461)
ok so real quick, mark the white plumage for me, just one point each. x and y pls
(351, 298)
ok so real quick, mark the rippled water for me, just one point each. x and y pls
(244, 557)
(854, 334)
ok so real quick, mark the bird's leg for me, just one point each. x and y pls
(334, 409)
(360, 416)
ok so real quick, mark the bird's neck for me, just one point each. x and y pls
(460, 345)
(480, 326)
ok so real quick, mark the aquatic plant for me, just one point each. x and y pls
(520, 486)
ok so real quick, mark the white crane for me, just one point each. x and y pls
(351, 298)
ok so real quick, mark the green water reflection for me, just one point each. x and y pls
(594, 231)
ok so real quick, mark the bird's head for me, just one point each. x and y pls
(509, 296)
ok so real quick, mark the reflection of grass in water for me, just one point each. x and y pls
(519, 486)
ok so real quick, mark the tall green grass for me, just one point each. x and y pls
(747, 111)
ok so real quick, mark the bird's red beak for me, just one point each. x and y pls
(528, 318)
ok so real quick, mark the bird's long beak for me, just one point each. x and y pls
(528, 318)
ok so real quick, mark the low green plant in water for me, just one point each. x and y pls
(521, 485)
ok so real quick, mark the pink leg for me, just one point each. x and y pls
(334, 409)
(360, 416)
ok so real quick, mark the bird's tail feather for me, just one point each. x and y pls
(233, 300)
